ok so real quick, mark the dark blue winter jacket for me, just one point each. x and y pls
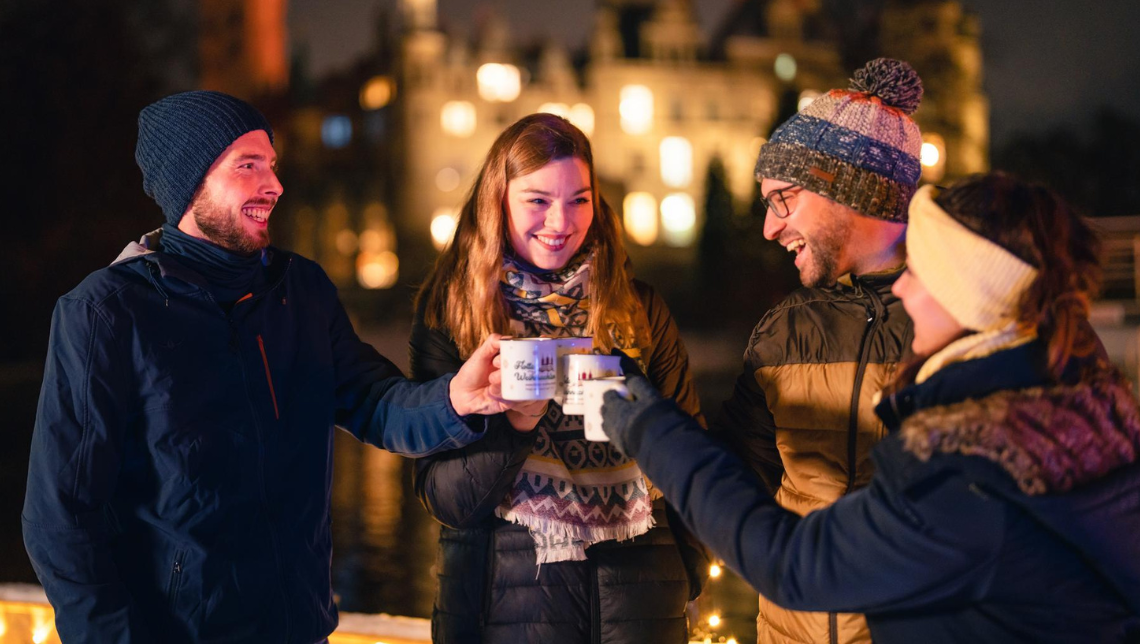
(1005, 507)
(178, 489)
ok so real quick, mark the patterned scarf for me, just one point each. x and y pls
(571, 493)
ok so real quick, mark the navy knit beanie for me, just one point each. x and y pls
(181, 136)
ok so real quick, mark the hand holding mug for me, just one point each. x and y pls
(476, 388)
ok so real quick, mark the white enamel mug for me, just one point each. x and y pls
(567, 347)
(579, 369)
(529, 368)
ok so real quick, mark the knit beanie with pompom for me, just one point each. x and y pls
(858, 146)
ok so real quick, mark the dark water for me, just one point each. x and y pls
(384, 541)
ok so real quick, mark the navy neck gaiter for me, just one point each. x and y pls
(229, 276)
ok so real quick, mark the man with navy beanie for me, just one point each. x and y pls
(178, 487)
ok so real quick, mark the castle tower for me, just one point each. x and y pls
(242, 47)
(671, 34)
(941, 40)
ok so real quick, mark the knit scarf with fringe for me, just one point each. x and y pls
(570, 493)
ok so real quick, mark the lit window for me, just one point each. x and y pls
(378, 270)
(336, 131)
(499, 83)
(933, 157)
(930, 155)
(806, 97)
(443, 222)
(377, 93)
(582, 116)
(636, 109)
(785, 67)
(458, 118)
(676, 162)
(558, 109)
(678, 219)
(639, 213)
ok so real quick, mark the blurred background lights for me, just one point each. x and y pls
(336, 131)
(806, 97)
(582, 116)
(443, 222)
(639, 214)
(715, 571)
(498, 82)
(447, 179)
(458, 118)
(378, 270)
(346, 242)
(678, 219)
(636, 109)
(933, 157)
(558, 109)
(676, 162)
(930, 155)
(714, 620)
(785, 67)
(377, 92)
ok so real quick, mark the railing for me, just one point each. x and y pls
(27, 618)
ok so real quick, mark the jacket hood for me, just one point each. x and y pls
(1050, 439)
(148, 244)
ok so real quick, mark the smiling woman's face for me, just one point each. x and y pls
(549, 212)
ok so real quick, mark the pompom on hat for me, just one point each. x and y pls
(181, 136)
(858, 147)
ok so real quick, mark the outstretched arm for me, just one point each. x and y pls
(875, 550)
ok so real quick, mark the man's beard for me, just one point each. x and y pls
(225, 229)
(826, 247)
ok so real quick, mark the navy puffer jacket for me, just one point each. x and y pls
(1004, 508)
(492, 591)
(178, 489)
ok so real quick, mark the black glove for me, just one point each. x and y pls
(620, 415)
(629, 366)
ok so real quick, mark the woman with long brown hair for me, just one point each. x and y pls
(547, 537)
(1005, 505)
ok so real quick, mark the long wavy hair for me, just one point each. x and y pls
(462, 292)
(1035, 224)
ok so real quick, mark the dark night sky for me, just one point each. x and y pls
(1048, 62)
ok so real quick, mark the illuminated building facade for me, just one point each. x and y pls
(658, 102)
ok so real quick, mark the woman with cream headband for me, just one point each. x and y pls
(1006, 501)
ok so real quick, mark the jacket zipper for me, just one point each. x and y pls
(288, 627)
(268, 375)
(595, 606)
(874, 316)
(175, 583)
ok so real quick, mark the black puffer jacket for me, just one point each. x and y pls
(491, 589)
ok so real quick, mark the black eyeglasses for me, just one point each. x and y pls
(778, 201)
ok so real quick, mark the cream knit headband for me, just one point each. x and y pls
(978, 282)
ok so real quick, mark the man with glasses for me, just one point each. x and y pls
(836, 179)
